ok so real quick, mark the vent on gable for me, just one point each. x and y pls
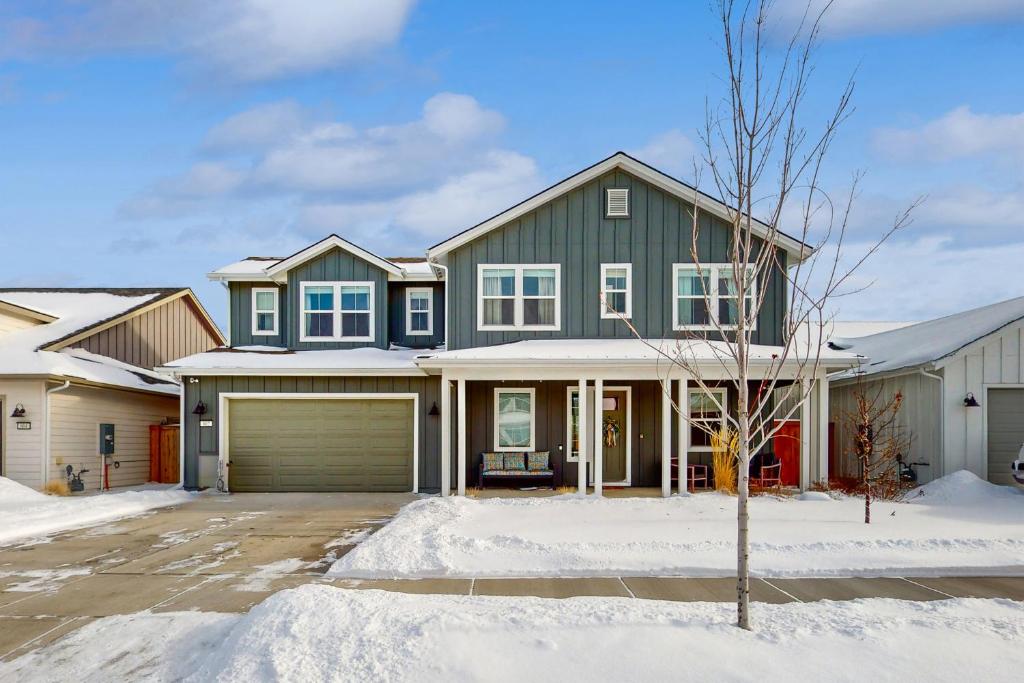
(617, 203)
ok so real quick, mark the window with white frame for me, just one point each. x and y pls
(707, 296)
(419, 319)
(514, 419)
(519, 297)
(264, 311)
(706, 415)
(337, 311)
(616, 290)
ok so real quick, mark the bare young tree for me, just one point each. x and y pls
(878, 443)
(761, 160)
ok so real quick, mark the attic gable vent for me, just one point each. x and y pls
(617, 203)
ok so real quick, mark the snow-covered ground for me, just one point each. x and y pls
(321, 633)
(28, 514)
(957, 525)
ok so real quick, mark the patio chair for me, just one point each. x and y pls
(769, 476)
(697, 473)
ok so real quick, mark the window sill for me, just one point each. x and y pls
(520, 328)
(426, 333)
(264, 333)
(335, 339)
(513, 449)
(616, 316)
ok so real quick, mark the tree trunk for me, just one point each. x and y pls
(867, 504)
(743, 514)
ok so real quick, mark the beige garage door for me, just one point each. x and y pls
(320, 444)
(1005, 432)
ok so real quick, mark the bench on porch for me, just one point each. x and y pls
(517, 466)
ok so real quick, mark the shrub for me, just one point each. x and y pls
(725, 445)
(57, 487)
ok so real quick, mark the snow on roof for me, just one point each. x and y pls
(417, 268)
(257, 266)
(250, 265)
(269, 359)
(932, 340)
(84, 365)
(619, 350)
(850, 329)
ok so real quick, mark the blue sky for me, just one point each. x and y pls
(147, 143)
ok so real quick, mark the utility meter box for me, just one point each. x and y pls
(106, 439)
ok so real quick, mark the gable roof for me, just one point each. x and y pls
(326, 244)
(932, 341)
(631, 165)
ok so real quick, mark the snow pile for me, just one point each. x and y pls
(27, 514)
(321, 633)
(955, 526)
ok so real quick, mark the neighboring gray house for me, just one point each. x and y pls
(962, 378)
(314, 395)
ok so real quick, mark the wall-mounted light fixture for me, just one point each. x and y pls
(433, 410)
(19, 411)
(200, 409)
(970, 401)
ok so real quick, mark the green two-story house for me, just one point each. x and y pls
(537, 331)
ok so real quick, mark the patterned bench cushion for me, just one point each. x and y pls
(538, 462)
(494, 462)
(518, 473)
(515, 461)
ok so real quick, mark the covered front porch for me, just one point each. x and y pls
(633, 442)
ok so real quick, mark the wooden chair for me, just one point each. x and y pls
(769, 477)
(697, 473)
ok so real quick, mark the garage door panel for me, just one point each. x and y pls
(1005, 435)
(321, 444)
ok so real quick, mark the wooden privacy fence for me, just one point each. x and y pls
(163, 454)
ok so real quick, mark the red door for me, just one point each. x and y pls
(786, 443)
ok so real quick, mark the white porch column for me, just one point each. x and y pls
(598, 440)
(805, 434)
(582, 439)
(460, 399)
(682, 444)
(446, 436)
(666, 439)
(823, 473)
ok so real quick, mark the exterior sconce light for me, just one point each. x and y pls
(970, 401)
(19, 411)
(200, 409)
(433, 410)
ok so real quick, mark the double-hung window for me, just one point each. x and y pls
(418, 313)
(337, 311)
(514, 419)
(519, 297)
(706, 415)
(616, 290)
(708, 297)
(264, 311)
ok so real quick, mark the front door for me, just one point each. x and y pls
(614, 436)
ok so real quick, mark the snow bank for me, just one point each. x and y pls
(25, 513)
(321, 633)
(955, 526)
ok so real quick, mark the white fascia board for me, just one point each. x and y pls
(639, 169)
(239, 277)
(179, 372)
(330, 242)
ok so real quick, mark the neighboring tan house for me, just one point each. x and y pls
(962, 380)
(76, 367)
(314, 396)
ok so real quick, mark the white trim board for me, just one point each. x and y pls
(324, 245)
(224, 455)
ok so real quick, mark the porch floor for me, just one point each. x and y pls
(617, 492)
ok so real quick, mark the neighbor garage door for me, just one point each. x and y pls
(1005, 432)
(338, 444)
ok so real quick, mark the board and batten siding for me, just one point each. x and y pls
(201, 443)
(75, 417)
(167, 332)
(336, 265)
(240, 326)
(397, 332)
(572, 230)
(23, 449)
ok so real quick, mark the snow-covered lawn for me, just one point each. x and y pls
(956, 525)
(26, 513)
(321, 633)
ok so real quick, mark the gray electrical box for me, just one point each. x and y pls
(106, 439)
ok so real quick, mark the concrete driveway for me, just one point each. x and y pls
(217, 553)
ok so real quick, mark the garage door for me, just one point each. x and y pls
(1005, 432)
(320, 444)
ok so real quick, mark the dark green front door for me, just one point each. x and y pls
(348, 444)
(614, 436)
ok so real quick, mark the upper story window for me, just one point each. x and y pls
(695, 311)
(616, 290)
(264, 311)
(337, 311)
(419, 318)
(519, 297)
(616, 202)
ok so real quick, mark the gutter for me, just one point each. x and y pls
(46, 432)
(942, 417)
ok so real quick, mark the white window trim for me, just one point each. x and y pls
(607, 202)
(518, 297)
(256, 331)
(709, 270)
(533, 418)
(430, 311)
(723, 398)
(336, 310)
(628, 313)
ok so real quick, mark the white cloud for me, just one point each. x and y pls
(958, 134)
(246, 40)
(671, 151)
(868, 17)
(262, 126)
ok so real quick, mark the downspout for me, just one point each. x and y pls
(46, 432)
(446, 309)
(942, 420)
(181, 433)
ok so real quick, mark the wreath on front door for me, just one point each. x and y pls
(611, 431)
